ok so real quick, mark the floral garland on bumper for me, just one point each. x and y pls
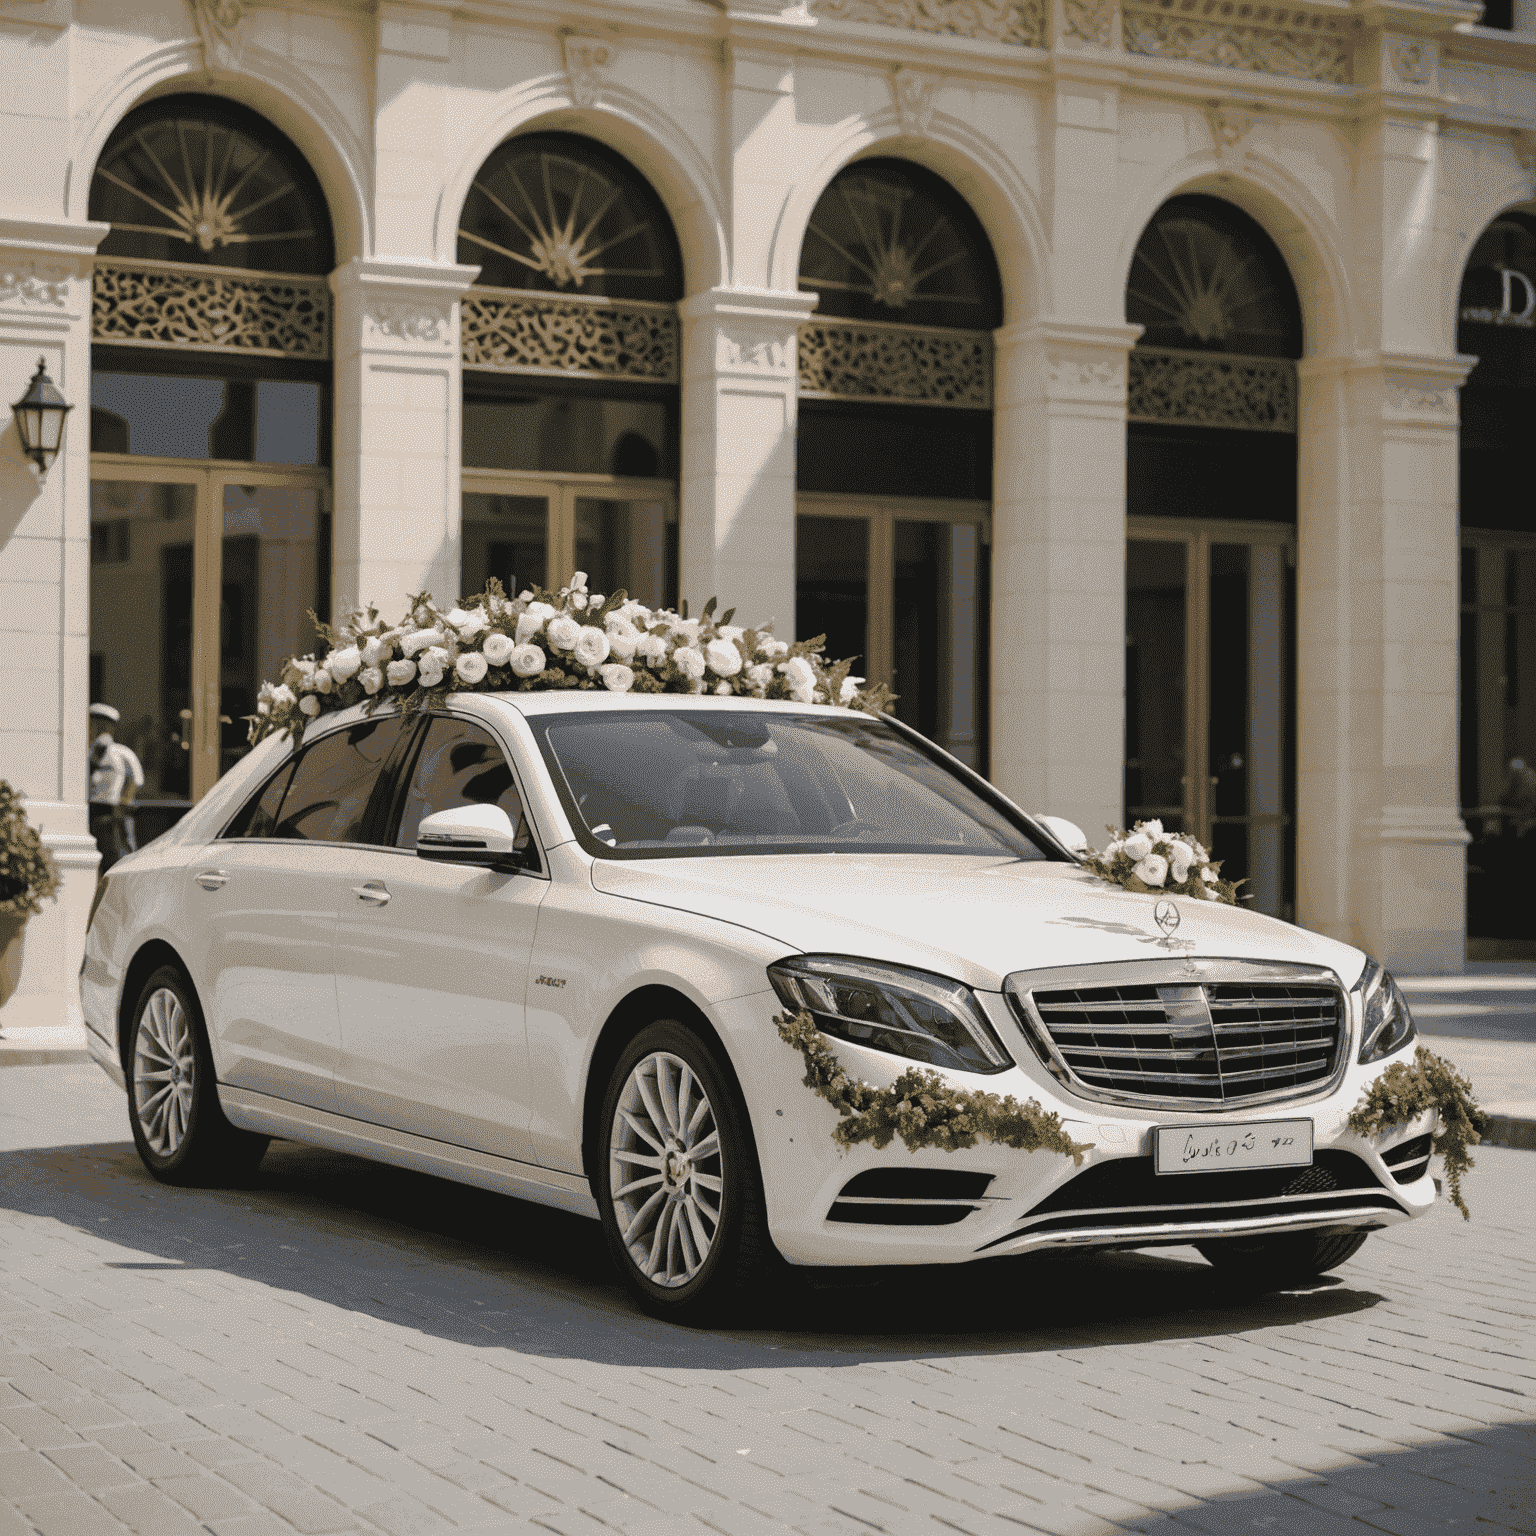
(1150, 862)
(544, 639)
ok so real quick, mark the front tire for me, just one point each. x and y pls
(679, 1188)
(1278, 1263)
(178, 1124)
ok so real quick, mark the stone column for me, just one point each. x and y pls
(45, 543)
(398, 408)
(1058, 569)
(1380, 843)
(737, 534)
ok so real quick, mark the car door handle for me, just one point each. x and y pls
(374, 893)
(212, 879)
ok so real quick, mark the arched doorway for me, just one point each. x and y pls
(894, 444)
(210, 431)
(570, 438)
(1496, 323)
(1210, 554)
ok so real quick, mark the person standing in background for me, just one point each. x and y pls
(116, 777)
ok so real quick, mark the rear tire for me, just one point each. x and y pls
(178, 1124)
(1277, 1263)
(679, 1188)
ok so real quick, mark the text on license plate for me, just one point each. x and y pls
(1205, 1148)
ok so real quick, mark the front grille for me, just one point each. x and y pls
(1199, 1043)
(1127, 1193)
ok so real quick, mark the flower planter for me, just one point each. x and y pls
(13, 926)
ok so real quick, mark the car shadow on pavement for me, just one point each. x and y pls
(482, 1268)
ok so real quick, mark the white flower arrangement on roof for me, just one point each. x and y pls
(545, 640)
(1150, 861)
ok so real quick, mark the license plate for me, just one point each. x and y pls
(1206, 1148)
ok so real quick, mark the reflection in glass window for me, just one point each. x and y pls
(565, 434)
(459, 765)
(328, 796)
(506, 537)
(272, 421)
(628, 544)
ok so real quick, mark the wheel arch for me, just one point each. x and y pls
(641, 1007)
(149, 958)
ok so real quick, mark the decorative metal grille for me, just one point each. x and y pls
(1021, 22)
(513, 331)
(1232, 34)
(865, 360)
(211, 309)
(1212, 389)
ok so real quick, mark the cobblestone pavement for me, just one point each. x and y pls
(347, 1348)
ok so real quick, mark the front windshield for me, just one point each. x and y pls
(658, 784)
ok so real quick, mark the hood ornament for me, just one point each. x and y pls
(1166, 916)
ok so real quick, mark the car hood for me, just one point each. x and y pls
(972, 918)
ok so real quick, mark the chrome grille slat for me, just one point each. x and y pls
(1243, 1032)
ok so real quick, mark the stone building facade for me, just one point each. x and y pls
(1134, 456)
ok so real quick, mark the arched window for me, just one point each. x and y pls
(1211, 504)
(571, 350)
(210, 431)
(560, 213)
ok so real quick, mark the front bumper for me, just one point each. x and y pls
(1038, 1200)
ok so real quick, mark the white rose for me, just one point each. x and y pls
(1209, 875)
(760, 675)
(623, 646)
(801, 676)
(772, 648)
(321, 680)
(651, 648)
(686, 630)
(475, 622)
(498, 648)
(372, 679)
(527, 661)
(263, 707)
(806, 695)
(591, 646)
(471, 667)
(1153, 829)
(455, 616)
(434, 662)
(375, 651)
(616, 678)
(309, 705)
(420, 640)
(723, 658)
(1137, 846)
(1152, 870)
(563, 632)
(724, 690)
(344, 663)
(732, 631)
(689, 662)
(283, 696)
(528, 625)
(634, 613)
(579, 582)
(399, 673)
(849, 690)
(304, 665)
(541, 611)
(577, 601)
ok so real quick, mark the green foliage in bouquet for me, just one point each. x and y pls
(28, 875)
(920, 1107)
(1403, 1092)
(1152, 862)
(544, 639)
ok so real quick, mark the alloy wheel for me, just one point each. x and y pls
(665, 1174)
(164, 1072)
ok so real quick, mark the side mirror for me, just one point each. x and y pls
(1067, 833)
(482, 835)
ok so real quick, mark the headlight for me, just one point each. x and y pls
(1387, 1025)
(892, 1008)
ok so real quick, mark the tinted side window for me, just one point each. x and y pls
(459, 764)
(332, 782)
(258, 817)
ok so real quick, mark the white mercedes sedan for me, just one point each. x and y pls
(538, 942)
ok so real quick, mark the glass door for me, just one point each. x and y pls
(535, 530)
(202, 582)
(902, 585)
(1209, 694)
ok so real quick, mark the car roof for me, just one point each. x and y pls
(567, 701)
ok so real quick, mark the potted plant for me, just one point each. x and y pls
(28, 878)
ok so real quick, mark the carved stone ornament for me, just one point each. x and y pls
(864, 360)
(218, 24)
(1229, 128)
(1412, 59)
(912, 93)
(1417, 400)
(586, 63)
(410, 320)
(1232, 34)
(1212, 389)
(511, 331)
(1021, 22)
(161, 304)
(34, 285)
(1088, 21)
(750, 352)
(1067, 373)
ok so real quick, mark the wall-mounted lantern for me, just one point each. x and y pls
(40, 417)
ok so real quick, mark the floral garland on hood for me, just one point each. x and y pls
(544, 639)
(1152, 862)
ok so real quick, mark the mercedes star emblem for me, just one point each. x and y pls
(1166, 916)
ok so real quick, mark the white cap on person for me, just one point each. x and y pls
(105, 712)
